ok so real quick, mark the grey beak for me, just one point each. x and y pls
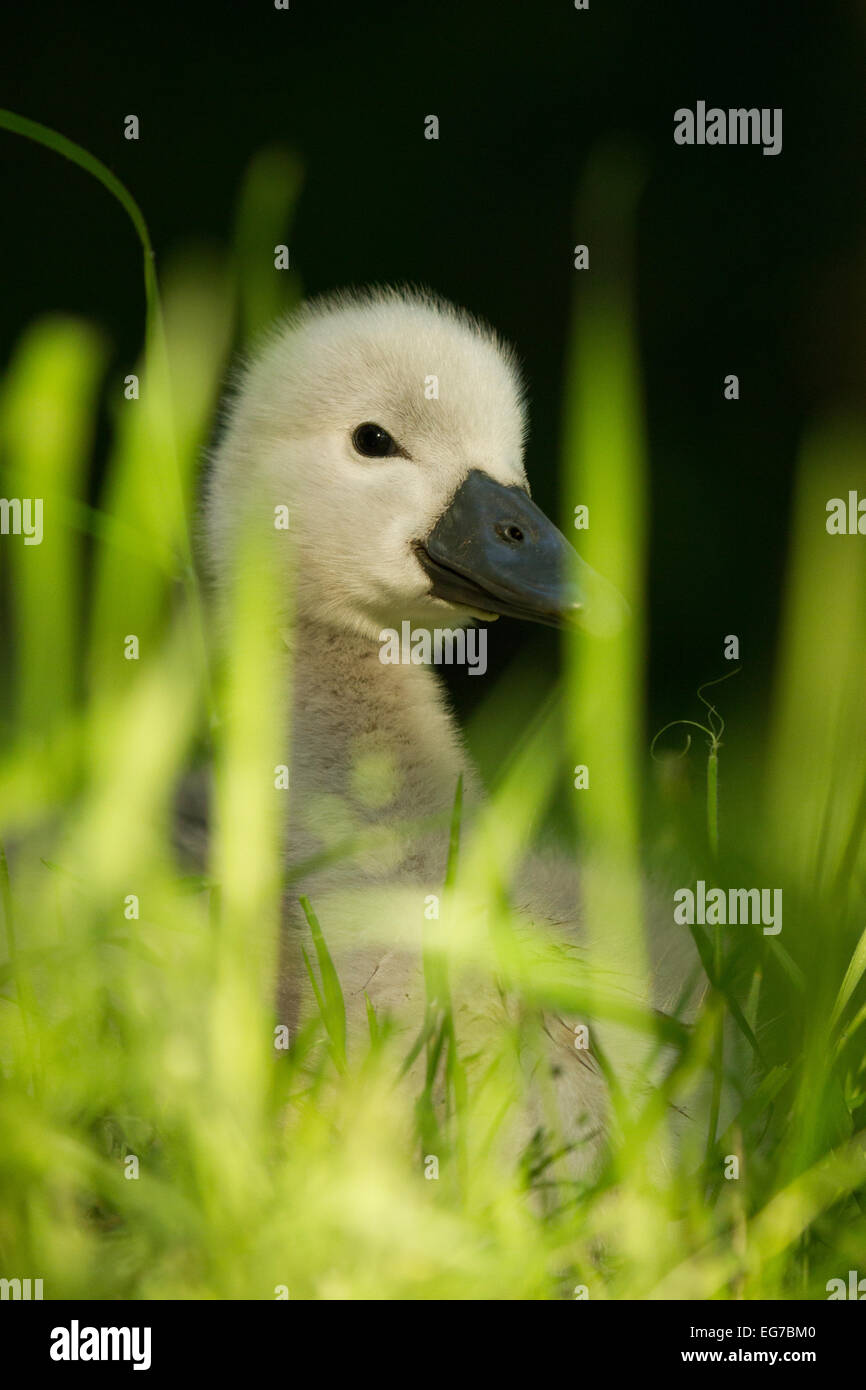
(494, 551)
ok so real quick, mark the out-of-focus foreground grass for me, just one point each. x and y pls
(156, 1141)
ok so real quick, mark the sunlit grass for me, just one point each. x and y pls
(137, 1018)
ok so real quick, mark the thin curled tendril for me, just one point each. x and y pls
(713, 712)
(677, 723)
(713, 733)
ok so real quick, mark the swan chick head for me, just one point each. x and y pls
(389, 427)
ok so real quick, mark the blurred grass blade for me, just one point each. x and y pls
(53, 379)
(263, 220)
(818, 754)
(604, 470)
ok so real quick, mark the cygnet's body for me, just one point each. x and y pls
(392, 428)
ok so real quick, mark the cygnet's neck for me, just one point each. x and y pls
(379, 736)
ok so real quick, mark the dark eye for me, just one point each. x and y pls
(373, 442)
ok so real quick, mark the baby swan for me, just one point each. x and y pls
(392, 427)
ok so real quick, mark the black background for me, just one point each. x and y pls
(746, 263)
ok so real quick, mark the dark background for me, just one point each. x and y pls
(746, 263)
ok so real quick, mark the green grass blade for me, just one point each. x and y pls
(853, 976)
(333, 1005)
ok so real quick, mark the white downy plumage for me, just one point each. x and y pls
(378, 526)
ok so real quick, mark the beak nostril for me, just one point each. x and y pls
(510, 533)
